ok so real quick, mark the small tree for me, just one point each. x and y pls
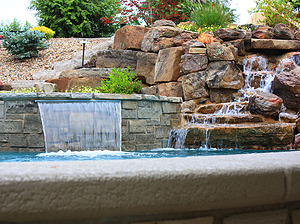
(148, 11)
(75, 18)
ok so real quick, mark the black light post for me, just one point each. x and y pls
(84, 42)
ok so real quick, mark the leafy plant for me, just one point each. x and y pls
(212, 15)
(84, 89)
(25, 90)
(75, 18)
(188, 26)
(48, 32)
(24, 45)
(277, 11)
(147, 11)
(121, 82)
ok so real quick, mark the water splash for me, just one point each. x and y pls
(81, 125)
(177, 138)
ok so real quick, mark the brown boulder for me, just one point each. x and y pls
(221, 95)
(282, 31)
(4, 87)
(230, 34)
(159, 38)
(193, 85)
(298, 124)
(297, 142)
(284, 45)
(116, 59)
(208, 37)
(167, 67)
(263, 32)
(266, 104)
(145, 69)
(170, 89)
(218, 52)
(188, 106)
(73, 84)
(193, 63)
(297, 35)
(224, 75)
(192, 44)
(129, 37)
(150, 90)
(240, 45)
(184, 37)
(287, 86)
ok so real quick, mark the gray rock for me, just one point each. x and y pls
(116, 59)
(151, 90)
(193, 85)
(193, 63)
(46, 74)
(224, 75)
(163, 22)
(282, 31)
(219, 52)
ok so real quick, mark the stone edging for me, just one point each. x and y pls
(75, 190)
(7, 96)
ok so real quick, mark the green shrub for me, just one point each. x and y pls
(212, 15)
(25, 45)
(120, 82)
(277, 11)
(47, 31)
(188, 26)
(15, 25)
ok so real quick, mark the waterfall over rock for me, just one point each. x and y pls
(81, 125)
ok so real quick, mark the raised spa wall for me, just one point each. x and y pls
(146, 120)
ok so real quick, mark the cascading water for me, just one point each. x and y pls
(81, 125)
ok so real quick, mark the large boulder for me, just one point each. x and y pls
(193, 85)
(167, 67)
(160, 37)
(266, 104)
(129, 38)
(145, 69)
(150, 90)
(230, 34)
(224, 75)
(193, 63)
(221, 95)
(117, 59)
(188, 106)
(297, 129)
(219, 52)
(263, 32)
(297, 35)
(279, 45)
(184, 37)
(287, 86)
(192, 44)
(170, 89)
(240, 45)
(282, 31)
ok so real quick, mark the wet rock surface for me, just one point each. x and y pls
(193, 85)
(266, 104)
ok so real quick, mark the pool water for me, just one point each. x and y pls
(118, 155)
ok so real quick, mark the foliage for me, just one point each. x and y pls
(121, 82)
(296, 4)
(188, 26)
(15, 25)
(48, 32)
(75, 18)
(25, 90)
(276, 11)
(24, 45)
(147, 11)
(212, 15)
(84, 89)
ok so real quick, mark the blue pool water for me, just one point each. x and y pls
(117, 155)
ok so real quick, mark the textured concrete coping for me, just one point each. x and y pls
(40, 191)
(7, 96)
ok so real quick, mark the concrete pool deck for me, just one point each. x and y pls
(136, 191)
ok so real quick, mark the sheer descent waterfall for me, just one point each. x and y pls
(81, 125)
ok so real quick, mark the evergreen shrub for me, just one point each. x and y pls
(25, 45)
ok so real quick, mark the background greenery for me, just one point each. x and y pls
(75, 18)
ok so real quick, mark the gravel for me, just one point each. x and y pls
(60, 49)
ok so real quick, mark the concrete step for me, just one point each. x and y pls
(243, 136)
(222, 119)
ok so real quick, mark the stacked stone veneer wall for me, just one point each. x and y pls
(146, 120)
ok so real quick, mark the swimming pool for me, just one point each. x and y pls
(119, 155)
